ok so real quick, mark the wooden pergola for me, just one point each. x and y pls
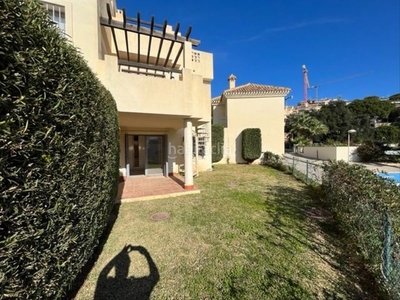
(154, 32)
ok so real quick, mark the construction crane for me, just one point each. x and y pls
(306, 84)
(315, 87)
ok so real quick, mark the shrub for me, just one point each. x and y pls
(375, 152)
(273, 160)
(369, 152)
(251, 144)
(217, 142)
(367, 208)
(58, 156)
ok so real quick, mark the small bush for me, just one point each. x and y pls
(375, 152)
(58, 156)
(369, 152)
(217, 142)
(274, 161)
(251, 144)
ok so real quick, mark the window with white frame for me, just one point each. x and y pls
(57, 14)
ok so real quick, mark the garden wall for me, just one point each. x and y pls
(330, 153)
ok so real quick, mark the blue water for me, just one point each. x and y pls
(395, 176)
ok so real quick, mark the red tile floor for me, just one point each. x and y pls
(151, 187)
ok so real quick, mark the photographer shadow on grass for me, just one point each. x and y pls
(119, 284)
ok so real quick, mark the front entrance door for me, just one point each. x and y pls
(145, 154)
(155, 156)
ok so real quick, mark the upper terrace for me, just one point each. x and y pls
(152, 49)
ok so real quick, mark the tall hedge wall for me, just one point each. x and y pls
(217, 142)
(367, 207)
(58, 156)
(251, 144)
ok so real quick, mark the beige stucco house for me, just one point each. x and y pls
(250, 106)
(161, 84)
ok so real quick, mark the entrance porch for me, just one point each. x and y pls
(162, 145)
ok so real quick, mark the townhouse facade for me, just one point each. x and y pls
(250, 106)
(159, 80)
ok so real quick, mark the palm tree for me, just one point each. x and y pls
(303, 128)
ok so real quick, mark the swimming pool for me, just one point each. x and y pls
(393, 175)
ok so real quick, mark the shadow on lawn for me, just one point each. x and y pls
(123, 286)
(317, 230)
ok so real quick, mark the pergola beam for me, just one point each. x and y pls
(172, 44)
(162, 41)
(151, 35)
(138, 29)
(153, 31)
(126, 33)
(145, 31)
(189, 30)
(112, 29)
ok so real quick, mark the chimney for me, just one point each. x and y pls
(232, 81)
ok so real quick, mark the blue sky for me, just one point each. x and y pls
(351, 48)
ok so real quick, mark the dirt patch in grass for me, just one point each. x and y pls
(252, 233)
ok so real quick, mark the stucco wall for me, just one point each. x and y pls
(331, 153)
(187, 94)
(266, 113)
(219, 114)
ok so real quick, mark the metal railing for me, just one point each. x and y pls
(307, 170)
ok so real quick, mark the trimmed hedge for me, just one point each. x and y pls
(251, 144)
(367, 207)
(58, 156)
(217, 142)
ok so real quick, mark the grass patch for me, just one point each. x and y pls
(252, 233)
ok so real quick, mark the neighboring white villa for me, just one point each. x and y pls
(161, 84)
(250, 106)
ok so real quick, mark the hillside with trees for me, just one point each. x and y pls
(374, 120)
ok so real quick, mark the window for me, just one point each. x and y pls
(57, 15)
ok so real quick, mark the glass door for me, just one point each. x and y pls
(154, 155)
(135, 154)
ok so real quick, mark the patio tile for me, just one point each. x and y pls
(155, 187)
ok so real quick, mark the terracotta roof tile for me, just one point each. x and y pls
(256, 90)
(216, 100)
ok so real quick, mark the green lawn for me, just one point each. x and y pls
(252, 233)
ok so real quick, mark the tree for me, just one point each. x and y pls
(365, 132)
(303, 128)
(372, 106)
(338, 118)
(387, 134)
(395, 97)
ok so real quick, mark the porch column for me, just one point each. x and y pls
(188, 147)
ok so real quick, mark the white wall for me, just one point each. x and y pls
(330, 153)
